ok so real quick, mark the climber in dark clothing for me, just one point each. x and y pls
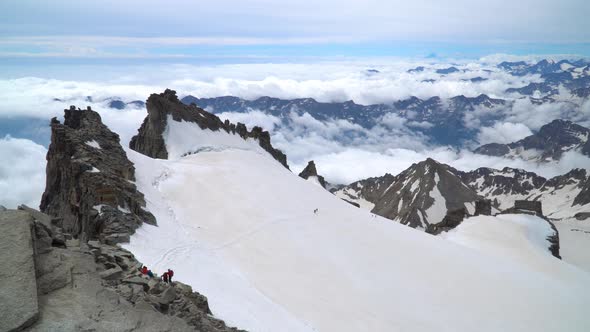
(170, 275)
(165, 277)
(150, 273)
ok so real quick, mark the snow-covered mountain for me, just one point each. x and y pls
(549, 143)
(419, 196)
(241, 228)
(407, 197)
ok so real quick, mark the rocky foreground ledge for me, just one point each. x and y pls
(51, 282)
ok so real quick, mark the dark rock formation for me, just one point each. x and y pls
(583, 197)
(552, 140)
(553, 240)
(86, 286)
(532, 206)
(453, 219)
(310, 170)
(89, 188)
(483, 207)
(150, 142)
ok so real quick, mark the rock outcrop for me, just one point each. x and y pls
(483, 207)
(150, 141)
(89, 185)
(86, 286)
(311, 171)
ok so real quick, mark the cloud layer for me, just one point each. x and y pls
(22, 172)
(343, 151)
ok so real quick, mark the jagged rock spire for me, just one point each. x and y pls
(310, 170)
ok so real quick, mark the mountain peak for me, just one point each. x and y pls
(166, 106)
(310, 173)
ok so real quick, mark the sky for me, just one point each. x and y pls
(204, 31)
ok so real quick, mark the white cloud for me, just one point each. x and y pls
(503, 133)
(22, 172)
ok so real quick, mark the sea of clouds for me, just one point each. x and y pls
(343, 151)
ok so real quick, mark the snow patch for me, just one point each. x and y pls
(93, 144)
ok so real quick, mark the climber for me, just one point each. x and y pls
(144, 270)
(170, 275)
(150, 273)
(165, 277)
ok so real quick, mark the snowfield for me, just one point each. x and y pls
(240, 228)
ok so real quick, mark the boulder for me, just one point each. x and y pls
(18, 295)
(111, 274)
(143, 282)
(53, 272)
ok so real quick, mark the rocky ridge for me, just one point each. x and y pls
(150, 142)
(89, 186)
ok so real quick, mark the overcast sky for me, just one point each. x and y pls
(254, 28)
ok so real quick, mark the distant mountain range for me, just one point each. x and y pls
(442, 120)
(548, 144)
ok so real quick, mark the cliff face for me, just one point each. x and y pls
(89, 184)
(150, 142)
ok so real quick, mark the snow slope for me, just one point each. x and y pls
(518, 237)
(240, 228)
(574, 240)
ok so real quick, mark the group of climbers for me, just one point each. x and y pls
(166, 277)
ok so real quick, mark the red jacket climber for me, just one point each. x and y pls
(170, 275)
(144, 270)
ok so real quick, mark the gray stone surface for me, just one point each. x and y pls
(18, 285)
(54, 271)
